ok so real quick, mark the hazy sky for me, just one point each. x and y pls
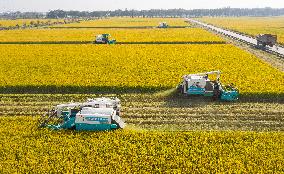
(89, 5)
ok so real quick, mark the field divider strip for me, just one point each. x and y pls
(121, 43)
(190, 42)
(48, 42)
(116, 27)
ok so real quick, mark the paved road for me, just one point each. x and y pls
(250, 40)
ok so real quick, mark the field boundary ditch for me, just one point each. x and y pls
(119, 43)
(116, 27)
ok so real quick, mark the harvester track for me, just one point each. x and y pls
(163, 113)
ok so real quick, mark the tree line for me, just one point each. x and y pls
(54, 14)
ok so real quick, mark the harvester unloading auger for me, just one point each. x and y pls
(99, 114)
(200, 84)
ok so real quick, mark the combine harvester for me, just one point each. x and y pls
(99, 114)
(104, 39)
(200, 84)
(163, 25)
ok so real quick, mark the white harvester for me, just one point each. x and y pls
(200, 84)
(163, 25)
(104, 39)
(99, 114)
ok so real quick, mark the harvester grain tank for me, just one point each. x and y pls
(266, 39)
(99, 114)
(104, 39)
(200, 84)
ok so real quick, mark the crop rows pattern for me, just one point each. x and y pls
(160, 111)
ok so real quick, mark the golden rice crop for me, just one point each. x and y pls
(251, 25)
(20, 22)
(24, 149)
(130, 66)
(129, 22)
(121, 35)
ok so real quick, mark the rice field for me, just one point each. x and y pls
(165, 132)
(129, 22)
(24, 150)
(20, 22)
(148, 66)
(121, 35)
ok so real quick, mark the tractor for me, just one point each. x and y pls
(99, 114)
(201, 85)
(163, 25)
(104, 39)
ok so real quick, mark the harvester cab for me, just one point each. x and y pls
(163, 25)
(200, 84)
(104, 39)
(99, 114)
